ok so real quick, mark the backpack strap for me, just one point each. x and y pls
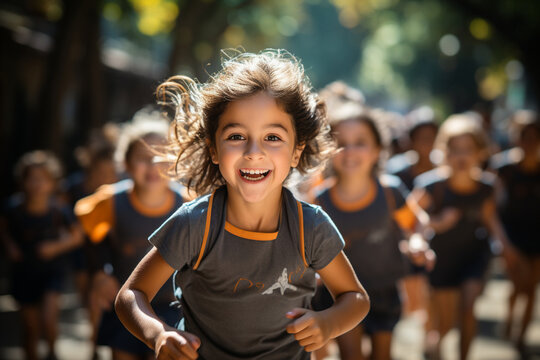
(206, 230)
(301, 231)
(438, 194)
(390, 200)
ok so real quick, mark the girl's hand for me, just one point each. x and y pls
(67, 241)
(447, 219)
(418, 250)
(177, 345)
(511, 257)
(308, 329)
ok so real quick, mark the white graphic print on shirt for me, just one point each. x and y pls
(282, 284)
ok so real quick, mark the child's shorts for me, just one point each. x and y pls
(29, 284)
(384, 312)
(112, 332)
(451, 273)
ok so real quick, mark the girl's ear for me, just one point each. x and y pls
(297, 154)
(212, 150)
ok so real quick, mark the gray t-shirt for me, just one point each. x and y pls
(371, 234)
(236, 286)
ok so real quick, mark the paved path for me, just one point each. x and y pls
(490, 309)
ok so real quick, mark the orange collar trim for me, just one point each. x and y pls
(152, 212)
(356, 205)
(251, 235)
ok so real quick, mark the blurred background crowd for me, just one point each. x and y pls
(72, 73)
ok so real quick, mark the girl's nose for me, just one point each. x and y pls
(253, 150)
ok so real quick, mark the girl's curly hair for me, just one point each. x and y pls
(198, 107)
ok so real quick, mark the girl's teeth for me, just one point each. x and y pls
(248, 174)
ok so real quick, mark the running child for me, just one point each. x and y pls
(407, 166)
(96, 159)
(371, 212)
(127, 212)
(38, 232)
(245, 254)
(460, 200)
(519, 206)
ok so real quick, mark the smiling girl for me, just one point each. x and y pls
(245, 254)
(124, 214)
(460, 200)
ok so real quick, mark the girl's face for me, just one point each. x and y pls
(358, 151)
(463, 153)
(145, 173)
(423, 140)
(102, 172)
(38, 182)
(255, 147)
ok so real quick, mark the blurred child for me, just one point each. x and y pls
(37, 232)
(128, 211)
(98, 168)
(459, 198)
(367, 209)
(421, 136)
(245, 255)
(519, 208)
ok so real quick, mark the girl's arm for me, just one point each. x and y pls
(12, 250)
(444, 221)
(132, 305)
(314, 329)
(67, 241)
(492, 222)
(413, 221)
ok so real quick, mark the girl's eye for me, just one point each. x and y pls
(235, 137)
(273, 138)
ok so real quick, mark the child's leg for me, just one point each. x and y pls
(518, 275)
(31, 330)
(415, 288)
(95, 314)
(350, 344)
(50, 318)
(444, 305)
(530, 293)
(381, 343)
(470, 291)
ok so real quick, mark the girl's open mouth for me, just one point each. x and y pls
(253, 174)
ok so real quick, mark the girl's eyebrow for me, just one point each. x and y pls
(278, 126)
(274, 125)
(231, 125)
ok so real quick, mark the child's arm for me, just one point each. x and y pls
(133, 308)
(413, 221)
(12, 250)
(68, 240)
(491, 220)
(448, 217)
(314, 329)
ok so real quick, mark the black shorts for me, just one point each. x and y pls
(384, 313)
(451, 273)
(29, 283)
